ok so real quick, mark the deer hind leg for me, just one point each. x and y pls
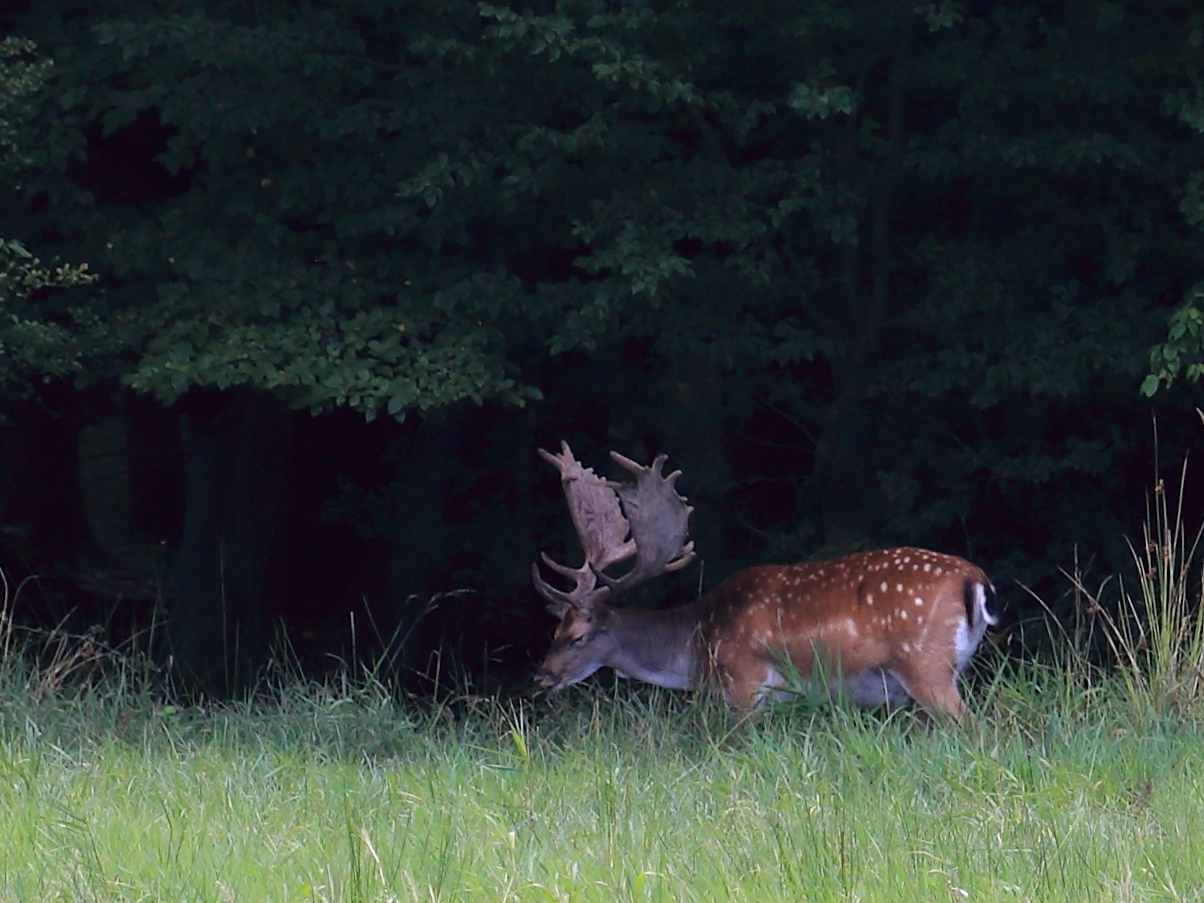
(934, 688)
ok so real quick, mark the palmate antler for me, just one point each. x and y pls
(615, 521)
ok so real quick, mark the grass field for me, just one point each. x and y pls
(1058, 791)
(1069, 783)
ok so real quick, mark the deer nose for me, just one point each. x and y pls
(545, 678)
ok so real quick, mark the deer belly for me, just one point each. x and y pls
(873, 687)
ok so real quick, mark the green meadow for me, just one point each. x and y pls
(1057, 791)
(1070, 781)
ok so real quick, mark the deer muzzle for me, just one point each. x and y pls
(547, 680)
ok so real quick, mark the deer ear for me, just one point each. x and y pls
(557, 609)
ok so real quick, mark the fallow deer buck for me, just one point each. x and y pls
(874, 627)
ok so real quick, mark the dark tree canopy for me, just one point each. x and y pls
(871, 272)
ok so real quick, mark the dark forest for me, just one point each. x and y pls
(292, 294)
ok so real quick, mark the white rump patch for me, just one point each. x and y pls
(967, 637)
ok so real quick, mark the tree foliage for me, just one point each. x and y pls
(874, 272)
(277, 255)
(31, 345)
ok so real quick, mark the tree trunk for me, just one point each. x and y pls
(230, 571)
(42, 492)
(156, 467)
(421, 540)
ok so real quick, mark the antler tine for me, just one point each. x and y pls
(687, 555)
(654, 468)
(634, 466)
(562, 569)
(583, 592)
(659, 521)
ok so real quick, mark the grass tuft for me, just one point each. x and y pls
(1156, 636)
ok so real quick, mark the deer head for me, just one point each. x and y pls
(615, 522)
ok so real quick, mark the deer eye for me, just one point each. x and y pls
(577, 640)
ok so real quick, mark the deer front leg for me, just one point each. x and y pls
(746, 682)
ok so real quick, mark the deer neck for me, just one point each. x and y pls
(657, 647)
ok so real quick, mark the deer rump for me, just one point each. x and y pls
(875, 627)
